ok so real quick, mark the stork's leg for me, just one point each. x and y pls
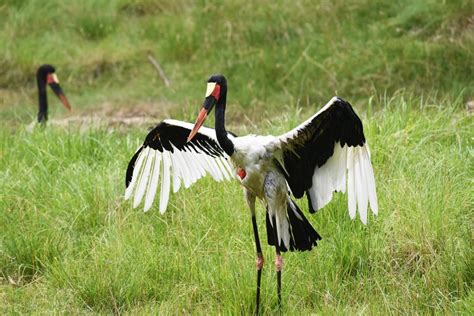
(259, 262)
(278, 262)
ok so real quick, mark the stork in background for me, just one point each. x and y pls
(46, 75)
(325, 154)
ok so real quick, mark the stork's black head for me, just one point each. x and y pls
(215, 94)
(46, 74)
(218, 78)
(43, 71)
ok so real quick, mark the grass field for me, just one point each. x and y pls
(70, 244)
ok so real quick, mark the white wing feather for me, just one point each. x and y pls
(143, 182)
(176, 172)
(349, 168)
(183, 169)
(150, 195)
(351, 192)
(371, 182)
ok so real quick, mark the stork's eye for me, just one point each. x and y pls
(213, 89)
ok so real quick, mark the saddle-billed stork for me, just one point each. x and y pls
(325, 154)
(46, 75)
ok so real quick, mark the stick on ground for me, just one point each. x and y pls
(157, 66)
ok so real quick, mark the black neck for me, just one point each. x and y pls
(221, 132)
(43, 101)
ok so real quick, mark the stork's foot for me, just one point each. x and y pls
(259, 262)
(278, 263)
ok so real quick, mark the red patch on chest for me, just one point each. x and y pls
(241, 173)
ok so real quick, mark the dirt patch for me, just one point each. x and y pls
(145, 110)
(113, 116)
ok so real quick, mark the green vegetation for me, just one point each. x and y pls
(272, 53)
(68, 241)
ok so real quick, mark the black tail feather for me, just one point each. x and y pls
(303, 236)
(310, 203)
(270, 234)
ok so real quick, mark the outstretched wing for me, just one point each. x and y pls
(166, 157)
(328, 153)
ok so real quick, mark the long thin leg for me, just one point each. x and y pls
(259, 262)
(278, 261)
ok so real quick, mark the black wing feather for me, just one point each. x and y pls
(131, 165)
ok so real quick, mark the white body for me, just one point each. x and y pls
(252, 155)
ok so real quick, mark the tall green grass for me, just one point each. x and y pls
(69, 243)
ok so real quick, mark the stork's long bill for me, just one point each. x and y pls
(212, 96)
(199, 121)
(53, 82)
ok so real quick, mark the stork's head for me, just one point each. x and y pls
(46, 74)
(215, 95)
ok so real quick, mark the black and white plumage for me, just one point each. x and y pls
(328, 153)
(166, 157)
(325, 154)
